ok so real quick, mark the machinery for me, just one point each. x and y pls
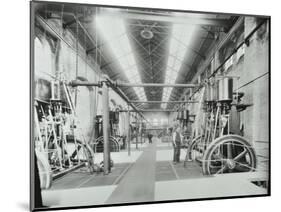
(60, 144)
(97, 143)
(219, 146)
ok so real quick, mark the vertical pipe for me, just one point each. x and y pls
(76, 63)
(105, 121)
(141, 131)
(93, 98)
(128, 132)
(137, 133)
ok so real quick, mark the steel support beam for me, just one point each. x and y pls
(162, 17)
(128, 132)
(105, 121)
(137, 135)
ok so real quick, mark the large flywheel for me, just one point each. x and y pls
(227, 154)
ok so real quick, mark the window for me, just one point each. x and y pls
(240, 52)
(228, 63)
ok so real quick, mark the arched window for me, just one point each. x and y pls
(43, 67)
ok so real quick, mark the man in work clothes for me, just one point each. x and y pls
(177, 141)
(150, 137)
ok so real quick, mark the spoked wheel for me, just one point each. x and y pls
(90, 158)
(193, 149)
(227, 154)
(97, 145)
(84, 153)
(87, 154)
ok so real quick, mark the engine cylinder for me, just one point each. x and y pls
(225, 89)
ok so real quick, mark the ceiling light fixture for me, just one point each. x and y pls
(146, 33)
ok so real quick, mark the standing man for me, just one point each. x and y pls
(150, 137)
(177, 141)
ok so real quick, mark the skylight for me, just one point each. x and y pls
(180, 40)
(113, 31)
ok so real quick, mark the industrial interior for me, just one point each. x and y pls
(114, 88)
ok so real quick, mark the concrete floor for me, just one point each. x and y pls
(147, 175)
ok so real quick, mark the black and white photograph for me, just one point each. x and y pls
(135, 105)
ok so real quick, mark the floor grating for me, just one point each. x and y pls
(166, 170)
(84, 179)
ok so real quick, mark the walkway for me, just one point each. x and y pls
(138, 184)
(150, 176)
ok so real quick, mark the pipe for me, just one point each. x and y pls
(152, 110)
(128, 132)
(75, 83)
(156, 102)
(105, 121)
(137, 136)
(123, 96)
(123, 84)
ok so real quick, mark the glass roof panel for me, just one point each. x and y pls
(177, 65)
(171, 61)
(180, 41)
(113, 31)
